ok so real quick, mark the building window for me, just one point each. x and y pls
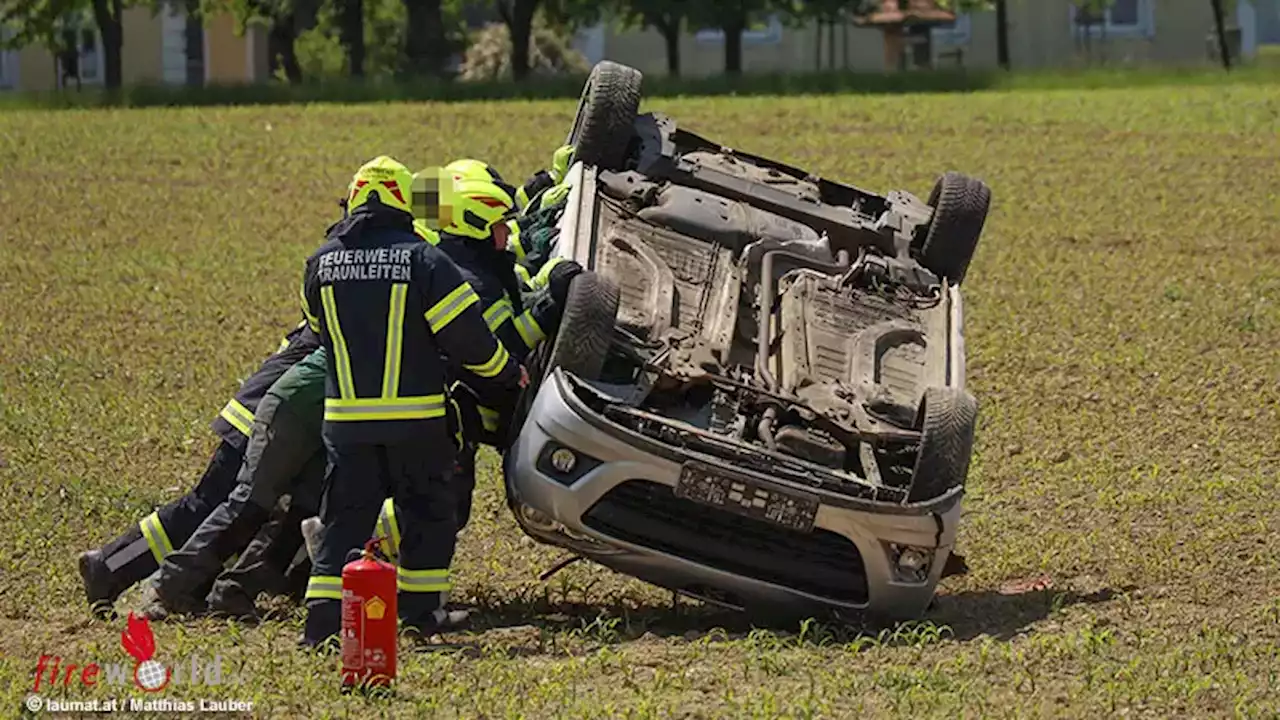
(1117, 17)
(84, 64)
(952, 33)
(766, 31)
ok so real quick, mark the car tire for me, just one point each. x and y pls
(947, 419)
(604, 125)
(586, 328)
(960, 206)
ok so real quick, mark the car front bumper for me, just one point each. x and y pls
(617, 507)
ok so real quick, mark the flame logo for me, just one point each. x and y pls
(137, 640)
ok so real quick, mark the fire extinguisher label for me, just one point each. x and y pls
(375, 608)
(353, 631)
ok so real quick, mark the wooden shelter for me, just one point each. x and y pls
(906, 24)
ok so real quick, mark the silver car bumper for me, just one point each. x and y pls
(882, 559)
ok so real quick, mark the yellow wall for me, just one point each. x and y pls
(140, 56)
(228, 58)
(225, 51)
(35, 69)
(142, 53)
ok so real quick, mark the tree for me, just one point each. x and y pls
(1221, 29)
(518, 16)
(351, 34)
(425, 45)
(43, 22)
(1002, 21)
(666, 16)
(733, 17)
(828, 13)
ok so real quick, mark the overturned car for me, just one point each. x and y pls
(756, 396)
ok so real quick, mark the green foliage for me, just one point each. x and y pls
(488, 56)
(40, 22)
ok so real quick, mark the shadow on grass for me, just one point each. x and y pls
(960, 616)
(1000, 616)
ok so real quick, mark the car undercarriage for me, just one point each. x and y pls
(779, 343)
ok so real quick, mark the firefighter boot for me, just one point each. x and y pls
(100, 586)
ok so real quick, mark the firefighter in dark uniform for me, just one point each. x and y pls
(284, 457)
(110, 570)
(387, 307)
(478, 249)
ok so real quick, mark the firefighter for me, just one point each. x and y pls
(546, 187)
(387, 306)
(113, 568)
(284, 456)
(477, 250)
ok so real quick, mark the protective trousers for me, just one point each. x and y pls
(274, 562)
(137, 553)
(284, 452)
(464, 485)
(358, 478)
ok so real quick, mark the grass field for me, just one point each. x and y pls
(1123, 325)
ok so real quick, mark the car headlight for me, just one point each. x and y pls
(564, 465)
(910, 564)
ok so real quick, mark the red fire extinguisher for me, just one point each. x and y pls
(369, 617)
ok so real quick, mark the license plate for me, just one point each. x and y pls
(789, 509)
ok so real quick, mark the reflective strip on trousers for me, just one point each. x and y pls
(389, 529)
(341, 361)
(423, 580)
(239, 416)
(395, 330)
(493, 365)
(157, 539)
(488, 418)
(405, 408)
(324, 587)
(443, 312)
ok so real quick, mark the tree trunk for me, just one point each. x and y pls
(425, 48)
(733, 45)
(1222, 35)
(520, 26)
(107, 15)
(670, 29)
(831, 44)
(817, 45)
(844, 41)
(194, 36)
(280, 48)
(1002, 33)
(352, 35)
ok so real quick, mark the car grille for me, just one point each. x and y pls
(648, 514)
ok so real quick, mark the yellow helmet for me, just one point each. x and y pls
(384, 178)
(476, 205)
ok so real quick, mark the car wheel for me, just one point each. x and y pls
(586, 328)
(960, 205)
(607, 110)
(947, 419)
